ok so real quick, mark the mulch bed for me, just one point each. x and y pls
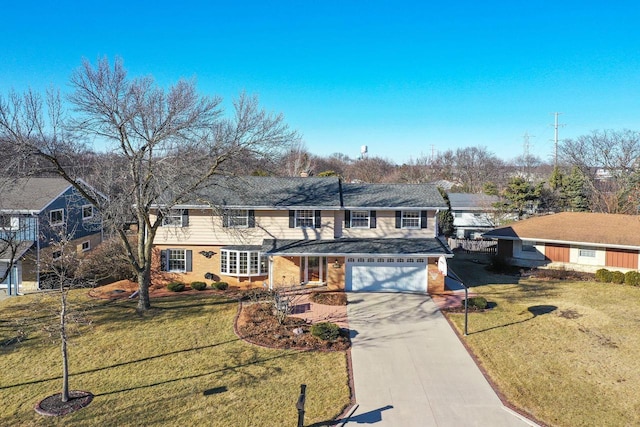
(258, 325)
(54, 406)
(329, 298)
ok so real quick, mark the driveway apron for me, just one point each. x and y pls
(410, 368)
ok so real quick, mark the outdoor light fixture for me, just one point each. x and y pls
(336, 264)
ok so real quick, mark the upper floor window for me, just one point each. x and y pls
(9, 222)
(304, 218)
(410, 219)
(243, 263)
(87, 212)
(175, 218)
(56, 217)
(238, 218)
(360, 219)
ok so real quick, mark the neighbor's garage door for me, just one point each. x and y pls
(399, 274)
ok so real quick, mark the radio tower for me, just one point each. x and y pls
(555, 139)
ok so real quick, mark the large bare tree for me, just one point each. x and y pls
(609, 161)
(165, 145)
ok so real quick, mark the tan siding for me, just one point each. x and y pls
(206, 228)
(556, 253)
(386, 227)
(622, 258)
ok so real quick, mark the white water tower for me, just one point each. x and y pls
(363, 151)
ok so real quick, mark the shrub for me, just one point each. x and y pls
(175, 287)
(221, 286)
(632, 278)
(603, 275)
(617, 277)
(326, 331)
(477, 302)
(198, 286)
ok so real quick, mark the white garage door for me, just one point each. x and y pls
(399, 274)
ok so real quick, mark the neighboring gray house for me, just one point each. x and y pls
(33, 214)
(250, 231)
(473, 214)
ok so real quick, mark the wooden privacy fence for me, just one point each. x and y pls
(485, 246)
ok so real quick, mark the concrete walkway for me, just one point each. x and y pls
(410, 368)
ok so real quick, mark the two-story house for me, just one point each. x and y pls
(473, 214)
(268, 231)
(34, 213)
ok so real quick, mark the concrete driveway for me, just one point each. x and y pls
(410, 368)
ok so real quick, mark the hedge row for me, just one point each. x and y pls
(631, 278)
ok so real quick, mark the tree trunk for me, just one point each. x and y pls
(144, 280)
(63, 339)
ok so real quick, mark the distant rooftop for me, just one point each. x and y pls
(470, 201)
(30, 193)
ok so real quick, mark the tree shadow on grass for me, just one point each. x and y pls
(535, 310)
(117, 365)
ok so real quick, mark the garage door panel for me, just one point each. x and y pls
(387, 278)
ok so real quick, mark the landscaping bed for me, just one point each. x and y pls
(258, 324)
(329, 298)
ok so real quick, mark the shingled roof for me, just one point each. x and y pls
(272, 192)
(575, 227)
(472, 202)
(30, 194)
(381, 196)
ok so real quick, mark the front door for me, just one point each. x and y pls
(312, 269)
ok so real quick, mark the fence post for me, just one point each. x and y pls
(300, 405)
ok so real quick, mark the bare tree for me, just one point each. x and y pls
(609, 160)
(166, 145)
(298, 161)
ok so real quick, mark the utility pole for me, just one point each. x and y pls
(555, 139)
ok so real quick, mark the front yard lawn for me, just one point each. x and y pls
(566, 352)
(181, 364)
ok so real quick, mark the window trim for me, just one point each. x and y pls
(88, 248)
(232, 215)
(404, 218)
(243, 263)
(51, 212)
(351, 218)
(306, 218)
(591, 251)
(173, 214)
(82, 208)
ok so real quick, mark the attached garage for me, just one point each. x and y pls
(386, 274)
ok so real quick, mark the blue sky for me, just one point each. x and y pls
(404, 78)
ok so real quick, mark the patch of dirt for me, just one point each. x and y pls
(329, 298)
(257, 324)
(570, 314)
(54, 406)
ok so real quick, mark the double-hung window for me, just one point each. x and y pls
(304, 218)
(360, 219)
(242, 263)
(410, 219)
(177, 260)
(56, 216)
(238, 218)
(174, 218)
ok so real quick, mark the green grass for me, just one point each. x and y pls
(566, 352)
(181, 364)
